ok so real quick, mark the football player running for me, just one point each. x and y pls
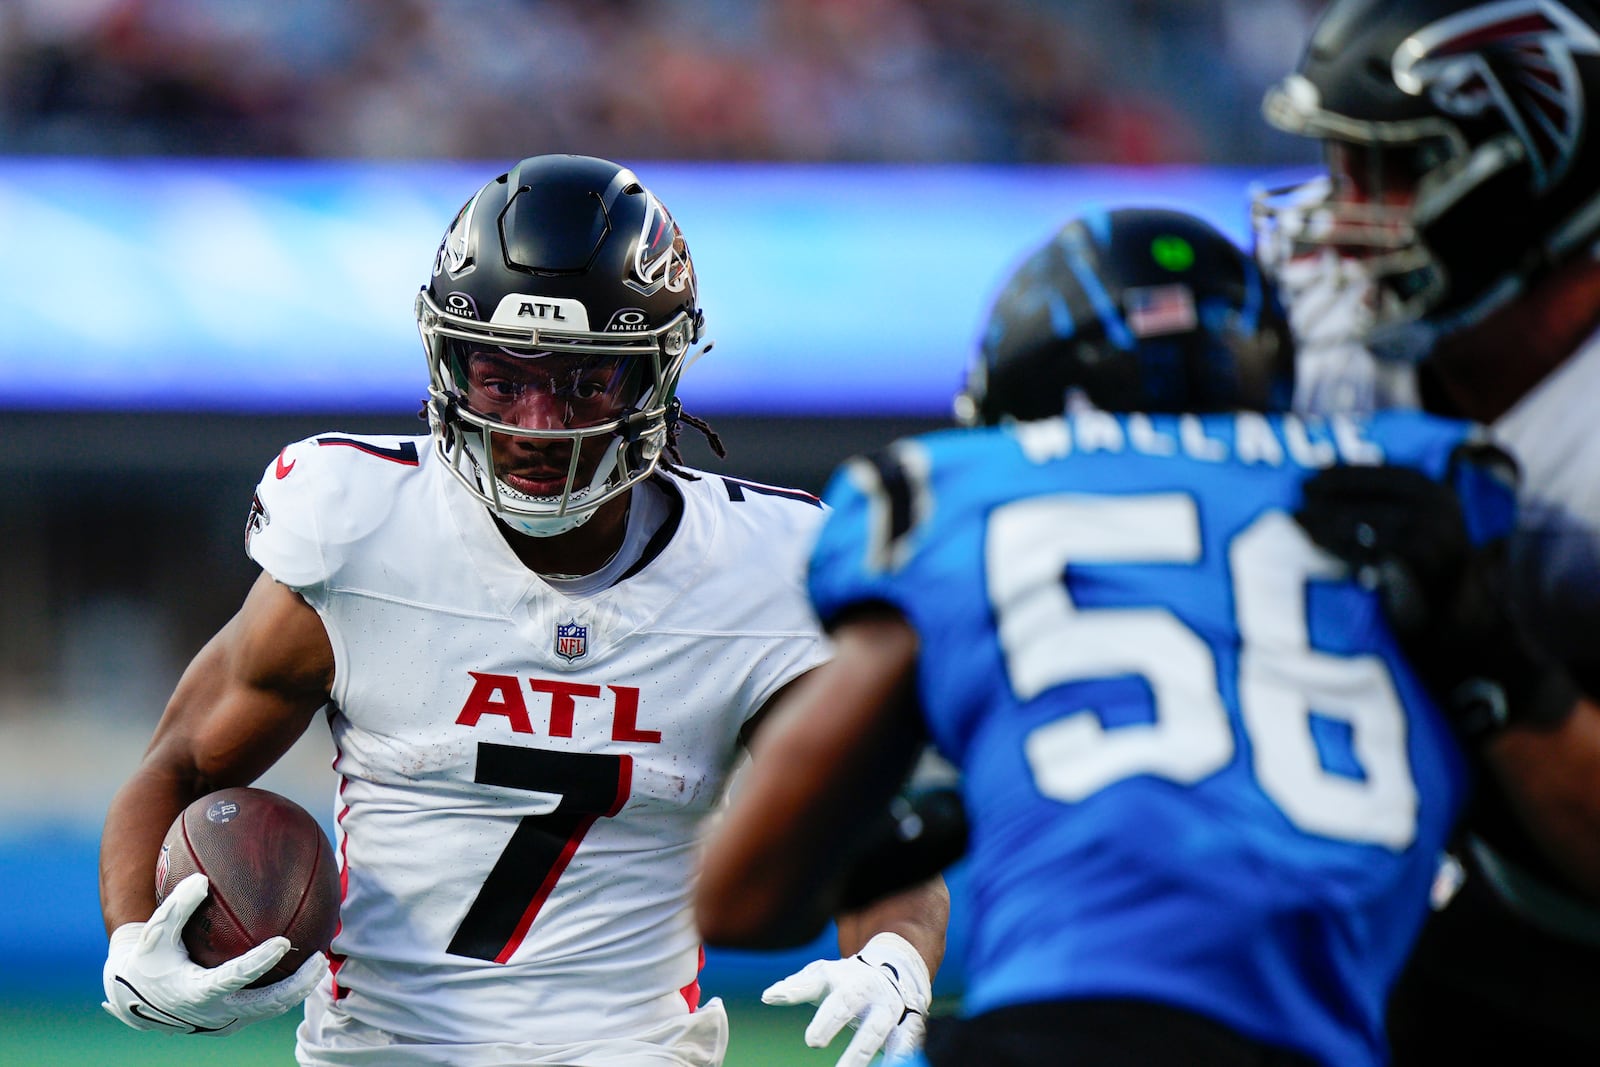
(1455, 238)
(540, 643)
(1145, 613)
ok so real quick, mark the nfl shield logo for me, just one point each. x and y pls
(572, 640)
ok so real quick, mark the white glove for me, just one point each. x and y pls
(1331, 301)
(152, 984)
(883, 991)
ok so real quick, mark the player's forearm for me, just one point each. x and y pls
(763, 874)
(847, 738)
(1551, 777)
(920, 914)
(139, 818)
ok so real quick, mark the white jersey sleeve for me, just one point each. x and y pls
(319, 498)
(1550, 432)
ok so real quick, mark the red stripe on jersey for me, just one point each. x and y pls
(545, 887)
(624, 787)
(404, 453)
(335, 959)
(691, 992)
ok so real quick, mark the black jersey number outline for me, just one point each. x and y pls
(591, 785)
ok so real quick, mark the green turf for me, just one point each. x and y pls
(63, 1035)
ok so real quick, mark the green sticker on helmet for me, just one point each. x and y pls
(1173, 253)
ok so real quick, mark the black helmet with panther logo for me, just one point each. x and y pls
(1137, 309)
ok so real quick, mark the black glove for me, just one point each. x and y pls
(1404, 535)
(920, 834)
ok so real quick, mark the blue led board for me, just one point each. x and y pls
(282, 287)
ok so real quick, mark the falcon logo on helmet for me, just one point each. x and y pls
(661, 259)
(1516, 58)
(453, 255)
(1461, 159)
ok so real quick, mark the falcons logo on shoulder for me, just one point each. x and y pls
(1514, 58)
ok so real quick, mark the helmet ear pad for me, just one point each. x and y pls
(1138, 309)
(644, 439)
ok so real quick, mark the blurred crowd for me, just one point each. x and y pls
(1005, 81)
(85, 624)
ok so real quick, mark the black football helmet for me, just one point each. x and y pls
(1137, 309)
(562, 256)
(1462, 163)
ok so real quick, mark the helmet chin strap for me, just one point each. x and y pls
(552, 525)
(544, 527)
(1414, 340)
(1403, 342)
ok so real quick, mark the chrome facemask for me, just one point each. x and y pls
(639, 435)
(1429, 158)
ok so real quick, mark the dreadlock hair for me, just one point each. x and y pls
(674, 458)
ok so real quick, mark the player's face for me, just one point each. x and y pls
(1366, 175)
(546, 393)
(1374, 189)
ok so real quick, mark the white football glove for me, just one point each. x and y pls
(883, 991)
(152, 984)
(1330, 300)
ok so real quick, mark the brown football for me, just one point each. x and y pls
(272, 872)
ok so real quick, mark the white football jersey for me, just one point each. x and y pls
(1557, 552)
(521, 774)
(1551, 432)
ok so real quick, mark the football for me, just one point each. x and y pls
(272, 872)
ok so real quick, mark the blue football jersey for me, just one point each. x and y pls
(1197, 769)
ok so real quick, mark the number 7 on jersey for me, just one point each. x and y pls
(591, 785)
